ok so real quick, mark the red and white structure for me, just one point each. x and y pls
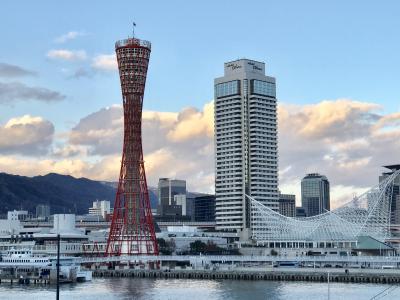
(132, 228)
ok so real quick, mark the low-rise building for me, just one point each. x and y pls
(100, 208)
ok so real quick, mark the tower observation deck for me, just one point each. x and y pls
(132, 227)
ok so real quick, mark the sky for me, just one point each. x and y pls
(336, 65)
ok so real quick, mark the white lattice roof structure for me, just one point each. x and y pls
(366, 215)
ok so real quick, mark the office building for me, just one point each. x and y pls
(315, 197)
(287, 205)
(167, 190)
(180, 200)
(300, 212)
(42, 211)
(100, 208)
(246, 158)
(190, 199)
(204, 208)
(394, 209)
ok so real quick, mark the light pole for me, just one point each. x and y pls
(329, 291)
(58, 267)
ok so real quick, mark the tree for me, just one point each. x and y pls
(198, 246)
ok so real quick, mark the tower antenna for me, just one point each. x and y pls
(133, 29)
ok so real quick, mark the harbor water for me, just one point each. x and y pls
(176, 289)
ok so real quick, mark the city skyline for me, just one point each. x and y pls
(60, 110)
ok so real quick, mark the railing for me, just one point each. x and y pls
(130, 41)
(244, 258)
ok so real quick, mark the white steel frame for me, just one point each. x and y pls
(366, 215)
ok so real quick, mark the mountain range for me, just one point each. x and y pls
(63, 193)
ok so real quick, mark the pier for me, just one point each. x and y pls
(292, 274)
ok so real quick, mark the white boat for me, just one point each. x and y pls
(82, 276)
(23, 258)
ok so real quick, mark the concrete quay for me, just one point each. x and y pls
(10, 280)
(288, 274)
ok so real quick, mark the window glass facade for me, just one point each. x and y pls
(227, 89)
(204, 209)
(315, 196)
(264, 88)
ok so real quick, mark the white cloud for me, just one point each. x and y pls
(105, 62)
(69, 55)
(345, 140)
(336, 138)
(26, 135)
(348, 141)
(71, 35)
(171, 149)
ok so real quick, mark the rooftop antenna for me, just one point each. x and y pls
(133, 29)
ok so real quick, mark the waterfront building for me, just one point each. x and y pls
(395, 210)
(246, 158)
(42, 211)
(42, 237)
(287, 205)
(315, 197)
(204, 208)
(167, 189)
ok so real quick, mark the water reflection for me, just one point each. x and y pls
(179, 289)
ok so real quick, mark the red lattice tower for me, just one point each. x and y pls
(132, 228)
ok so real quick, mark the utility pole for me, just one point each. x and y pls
(58, 267)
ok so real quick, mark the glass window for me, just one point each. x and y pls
(227, 89)
(263, 88)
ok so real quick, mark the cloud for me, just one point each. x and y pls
(71, 35)
(16, 91)
(346, 140)
(329, 119)
(105, 62)
(343, 139)
(14, 164)
(81, 73)
(26, 135)
(192, 123)
(68, 55)
(11, 71)
(68, 151)
(101, 131)
(170, 149)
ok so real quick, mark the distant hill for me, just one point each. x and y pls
(64, 194)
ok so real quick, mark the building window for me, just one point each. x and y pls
(264, 88)
(227, 89)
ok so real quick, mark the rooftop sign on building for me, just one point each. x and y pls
(244, 65)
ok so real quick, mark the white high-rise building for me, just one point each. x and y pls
(100, 208)
(246, 158)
